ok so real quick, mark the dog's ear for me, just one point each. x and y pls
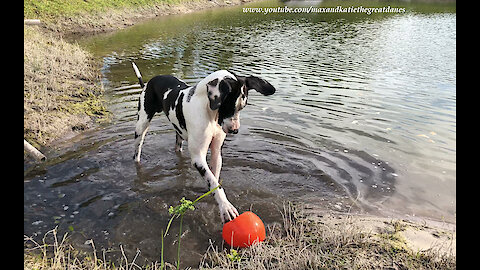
(259, 84)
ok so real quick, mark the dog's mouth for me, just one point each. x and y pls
(229, 131)
(225, 129)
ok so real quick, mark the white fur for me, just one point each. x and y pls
(141, 127)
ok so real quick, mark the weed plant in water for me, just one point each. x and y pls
(179, 211)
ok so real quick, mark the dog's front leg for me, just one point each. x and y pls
(216, 153)
(199, 161)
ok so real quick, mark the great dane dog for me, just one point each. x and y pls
(202, 114)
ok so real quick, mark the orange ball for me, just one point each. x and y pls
(244, 230)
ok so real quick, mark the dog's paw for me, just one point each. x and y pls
(227, 212)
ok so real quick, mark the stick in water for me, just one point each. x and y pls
(33, 151)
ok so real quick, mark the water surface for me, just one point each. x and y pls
(363, 120)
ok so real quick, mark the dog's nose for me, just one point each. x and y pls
(235, 131)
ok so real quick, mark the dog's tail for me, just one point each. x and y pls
(139, 76)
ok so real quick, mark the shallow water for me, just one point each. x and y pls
(363, 120)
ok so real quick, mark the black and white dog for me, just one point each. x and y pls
(201, 114)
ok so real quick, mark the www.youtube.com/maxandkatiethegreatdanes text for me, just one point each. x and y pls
(312, 9)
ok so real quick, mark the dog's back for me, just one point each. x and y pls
(155, 99)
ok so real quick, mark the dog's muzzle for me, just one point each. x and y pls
(229, 130)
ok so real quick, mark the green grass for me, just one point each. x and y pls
(49, 9)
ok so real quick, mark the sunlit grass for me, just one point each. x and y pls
(47, 9)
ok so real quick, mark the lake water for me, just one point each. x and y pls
(363, 121)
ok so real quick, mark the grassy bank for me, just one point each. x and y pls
(52, 9)
(302, 241)
(79, 17)
(61, 87)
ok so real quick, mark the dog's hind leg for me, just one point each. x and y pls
(178, 143)
(141, 127)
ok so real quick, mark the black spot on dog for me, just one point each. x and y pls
(177, 129)
(179, 112)
(149, 104)
(231, 92)
(200, 169)
(191, 92)
(169, 101)
(139, 106)
(213, 82)
(221, 147)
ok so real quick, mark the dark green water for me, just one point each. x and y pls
(363, 120)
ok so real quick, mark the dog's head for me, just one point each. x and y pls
(230, 94)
